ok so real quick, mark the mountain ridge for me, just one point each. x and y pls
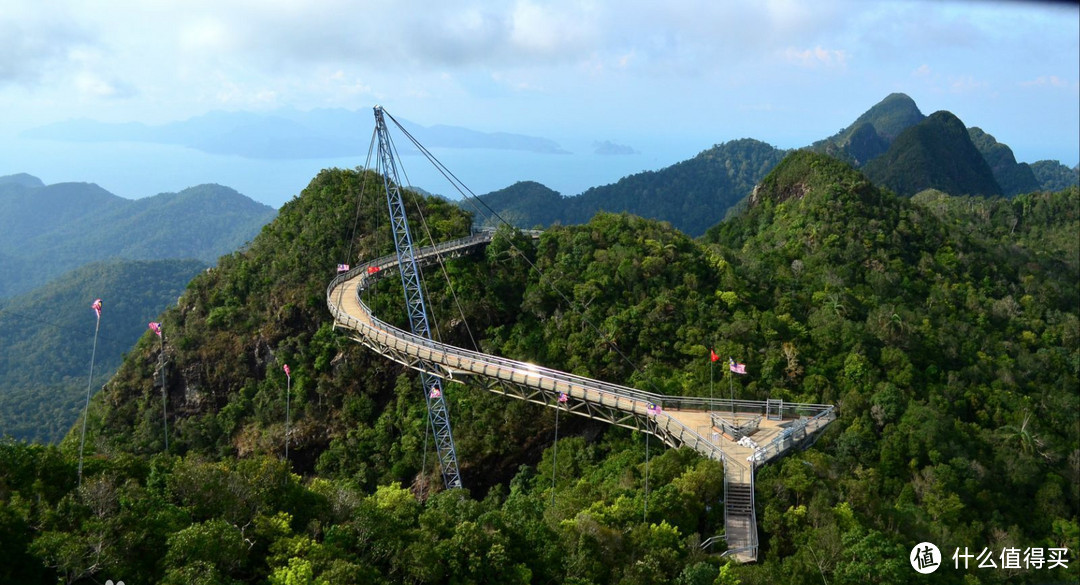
(936, 153)
(868, 138)
(58, 227)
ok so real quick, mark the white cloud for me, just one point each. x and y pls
(817, 57)
(966, 83)
(33, 43)
(90, 84)
(1047, 81)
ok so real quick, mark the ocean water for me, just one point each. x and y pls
(134, 170)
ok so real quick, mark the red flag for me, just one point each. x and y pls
(287, 372)
(97, 307)
(373, 269)
(713, 356)
(155, 327)
(736, 367)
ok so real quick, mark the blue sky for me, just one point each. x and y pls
(662, 81)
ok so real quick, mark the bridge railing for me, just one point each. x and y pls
(792, 435)
(455, 358)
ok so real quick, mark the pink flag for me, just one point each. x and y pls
(97, 307)
(736, 367)
(435, 392)
(653, 409)
(155, 327)
(342, 267)
(563, 397)
(287, 372)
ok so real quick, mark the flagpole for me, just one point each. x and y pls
(555, 454)
(645, 512)
(288, 391)
(731, 388)
(89, 385)
(164, 403)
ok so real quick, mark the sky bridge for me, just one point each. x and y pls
(742, 434)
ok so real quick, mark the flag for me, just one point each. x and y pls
(435, 392)
(287, 372)
(342, 267)
(372, 269)
(563, 397)
(736, 367)
(155, 327)
(653, 409)
(97, 307)
(713, 356)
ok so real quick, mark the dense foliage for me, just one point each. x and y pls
(49, 230)
(47, 338)
(936, 153)
(946, 332)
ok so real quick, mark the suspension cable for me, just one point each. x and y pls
(466, 193)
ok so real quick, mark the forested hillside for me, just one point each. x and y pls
(1054, 176)
(936, 153)
(949, 346)
(1014, 178)
(52, 229)
(892, 142)
(47, 339)
(873, 132)
(692, 195)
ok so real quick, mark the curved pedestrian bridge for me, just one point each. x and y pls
(743, 434)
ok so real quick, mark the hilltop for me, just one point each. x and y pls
(871, 134)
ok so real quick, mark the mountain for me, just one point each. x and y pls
(692, 195)
(21, 179)
(47, 339)
(871, 133)
(898, 146)
(948, 346)
(1054, 176)
(1014, 178)
(936, 153)
(524, 204)
(55, 228)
